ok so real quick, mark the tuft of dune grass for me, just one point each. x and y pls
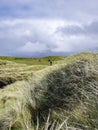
(68, 91)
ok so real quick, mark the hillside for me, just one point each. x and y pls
(14, 69)
(33, 61)
(11, 72)
(59, 97)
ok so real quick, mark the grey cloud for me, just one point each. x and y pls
(90, 29)
(25, 37)
(71, 30)
(28, 37)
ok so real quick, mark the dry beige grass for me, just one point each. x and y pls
(11, 72)
(60, 97)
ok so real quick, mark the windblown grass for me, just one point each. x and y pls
(11, 72)
(59, 97)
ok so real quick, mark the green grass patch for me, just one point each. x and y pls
(33, 61)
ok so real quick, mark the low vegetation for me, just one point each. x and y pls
(11, 72)
(33, 61)
(59, 97)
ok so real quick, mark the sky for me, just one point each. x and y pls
(34, 28)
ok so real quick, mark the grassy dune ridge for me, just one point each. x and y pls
(59, 97)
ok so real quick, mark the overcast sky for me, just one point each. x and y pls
(48, 27)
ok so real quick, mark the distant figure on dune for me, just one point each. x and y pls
(50, 61)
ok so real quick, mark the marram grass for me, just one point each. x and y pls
(59, 97)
